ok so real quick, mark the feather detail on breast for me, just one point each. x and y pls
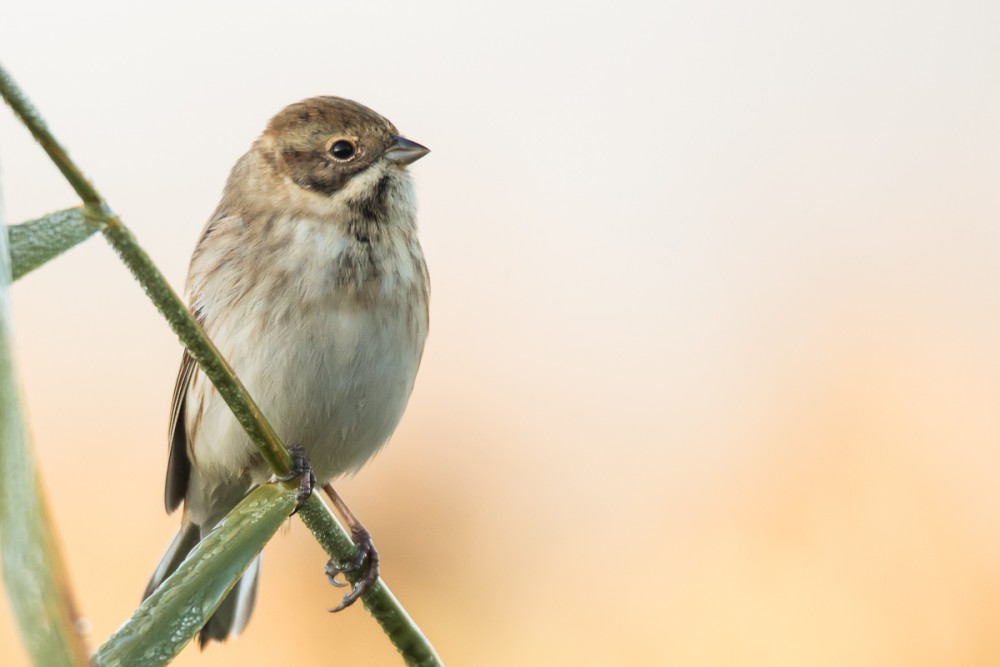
(323, 322)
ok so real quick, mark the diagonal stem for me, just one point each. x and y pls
(40, 131)
(199, 346)
(159, 291)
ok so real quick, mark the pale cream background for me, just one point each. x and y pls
(714, 369)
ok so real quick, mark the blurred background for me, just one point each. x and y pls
(714, 367)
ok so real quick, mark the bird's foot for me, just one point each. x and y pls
(303, 471)
(365, 565)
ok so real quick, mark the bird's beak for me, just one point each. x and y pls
(402, 151)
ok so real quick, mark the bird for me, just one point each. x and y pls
(311, 281)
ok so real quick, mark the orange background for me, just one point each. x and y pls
(714, 362)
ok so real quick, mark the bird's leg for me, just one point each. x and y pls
(302, 470)
(365, 562)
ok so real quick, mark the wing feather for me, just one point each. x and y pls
(178, 463)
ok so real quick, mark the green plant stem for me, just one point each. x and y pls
(40, 131)
(386, 610)
(201, 349)
(404, 634)
(198, 345)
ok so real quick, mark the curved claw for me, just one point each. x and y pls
(302, 470)
(332, 570)
(365, 564)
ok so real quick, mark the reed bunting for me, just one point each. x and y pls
(310, 280)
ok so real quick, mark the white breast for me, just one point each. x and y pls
(331, 374)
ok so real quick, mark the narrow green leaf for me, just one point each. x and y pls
(169, 618)
(36, 242)
(33, 572)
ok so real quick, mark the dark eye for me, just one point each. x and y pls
(342, 149)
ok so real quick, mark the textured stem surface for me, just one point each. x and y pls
(404, 634)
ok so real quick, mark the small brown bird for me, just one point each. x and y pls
(311, 281)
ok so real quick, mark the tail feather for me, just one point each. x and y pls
(187, 537)
(234, 612)
(232, 615)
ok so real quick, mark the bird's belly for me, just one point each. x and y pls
(336, 383)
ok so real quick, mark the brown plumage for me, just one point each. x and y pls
(311, 281)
